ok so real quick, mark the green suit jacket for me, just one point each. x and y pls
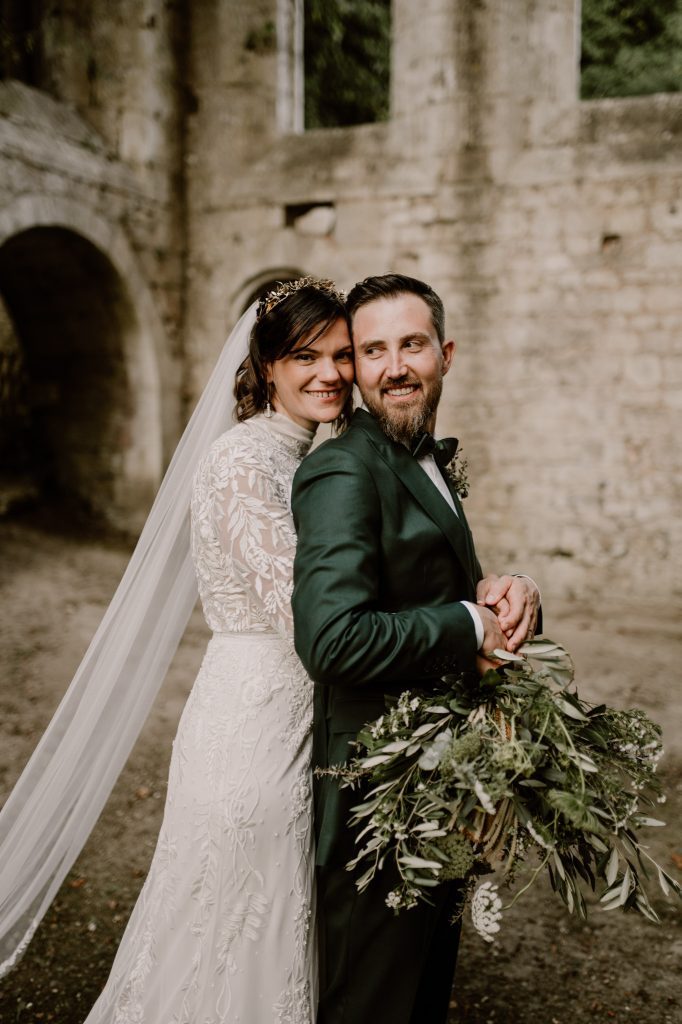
(381, 565)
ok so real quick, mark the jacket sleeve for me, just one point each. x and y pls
(341, 635)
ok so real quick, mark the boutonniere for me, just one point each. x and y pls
(456, 472)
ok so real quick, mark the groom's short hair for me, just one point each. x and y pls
(390, 286)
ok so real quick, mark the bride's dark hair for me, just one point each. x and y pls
(280, 326)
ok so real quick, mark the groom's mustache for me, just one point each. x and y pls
(400, 382)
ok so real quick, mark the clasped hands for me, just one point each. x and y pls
(508, 606)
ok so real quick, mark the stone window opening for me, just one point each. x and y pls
(347, 59)
(632, 49)
(333, 63)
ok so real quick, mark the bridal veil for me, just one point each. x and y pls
(61, 792)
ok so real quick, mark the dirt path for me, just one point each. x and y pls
(547, 967)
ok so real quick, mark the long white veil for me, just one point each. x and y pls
(60, 794)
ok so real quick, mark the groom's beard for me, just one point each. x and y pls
(405, 422)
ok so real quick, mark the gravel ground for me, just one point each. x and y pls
(547, 967)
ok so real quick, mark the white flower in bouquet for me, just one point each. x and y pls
(486, 911)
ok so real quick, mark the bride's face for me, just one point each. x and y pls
(311, 383)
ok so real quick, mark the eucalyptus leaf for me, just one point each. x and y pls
(562, 676)
(581, 869)
(612, 867)
(539, 648)
(502, 655)
(663, 883)
(381, 788)
(559, 865)
(395, 747)
(646, 909)
(569, 899)
(419, 862)
(580, 904)
(674, 885)
(627, 840)
(376, 759)
(364, 832)
(569, 709)
(423, 730)
(625, 885)
(612, 904)
(364, 880)
(374, 843)
(599, 812)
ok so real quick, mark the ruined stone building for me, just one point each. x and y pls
(154, 175)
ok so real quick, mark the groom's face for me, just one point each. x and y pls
(400, 364)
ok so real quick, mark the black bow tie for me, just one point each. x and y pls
(443, 451)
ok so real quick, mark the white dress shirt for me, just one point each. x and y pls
(428, 464)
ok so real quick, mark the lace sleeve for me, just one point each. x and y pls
(256, 533)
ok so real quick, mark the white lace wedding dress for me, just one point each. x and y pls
(223, 930)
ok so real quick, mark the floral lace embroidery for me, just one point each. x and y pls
(235, 849)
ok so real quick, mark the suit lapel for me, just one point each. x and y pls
(463, 521)
(412, 476)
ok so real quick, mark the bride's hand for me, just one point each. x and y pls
(516, 600)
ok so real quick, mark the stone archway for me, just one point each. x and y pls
(86, 328)
(261, 283)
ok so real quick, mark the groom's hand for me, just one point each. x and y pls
(516, 600)
(493, 638)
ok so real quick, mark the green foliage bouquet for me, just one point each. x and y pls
(484, 772)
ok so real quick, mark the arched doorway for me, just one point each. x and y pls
(75, 423)
(264, 282)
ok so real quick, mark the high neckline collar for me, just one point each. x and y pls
(285, 429)
(283, 425)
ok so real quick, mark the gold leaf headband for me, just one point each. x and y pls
(286, 288)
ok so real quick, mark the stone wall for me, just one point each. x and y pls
(552, 229)
(575, 361)
(92, 228)
(162, 135)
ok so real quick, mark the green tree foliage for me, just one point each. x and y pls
(347, 61)
(631, 48)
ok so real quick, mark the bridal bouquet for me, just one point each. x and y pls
(481, 774)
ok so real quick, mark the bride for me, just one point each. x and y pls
(223, 929)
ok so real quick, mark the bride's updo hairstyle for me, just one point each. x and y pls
(294, 310)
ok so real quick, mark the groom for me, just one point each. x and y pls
(386, 585)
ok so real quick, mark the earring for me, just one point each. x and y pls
(268, 410)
